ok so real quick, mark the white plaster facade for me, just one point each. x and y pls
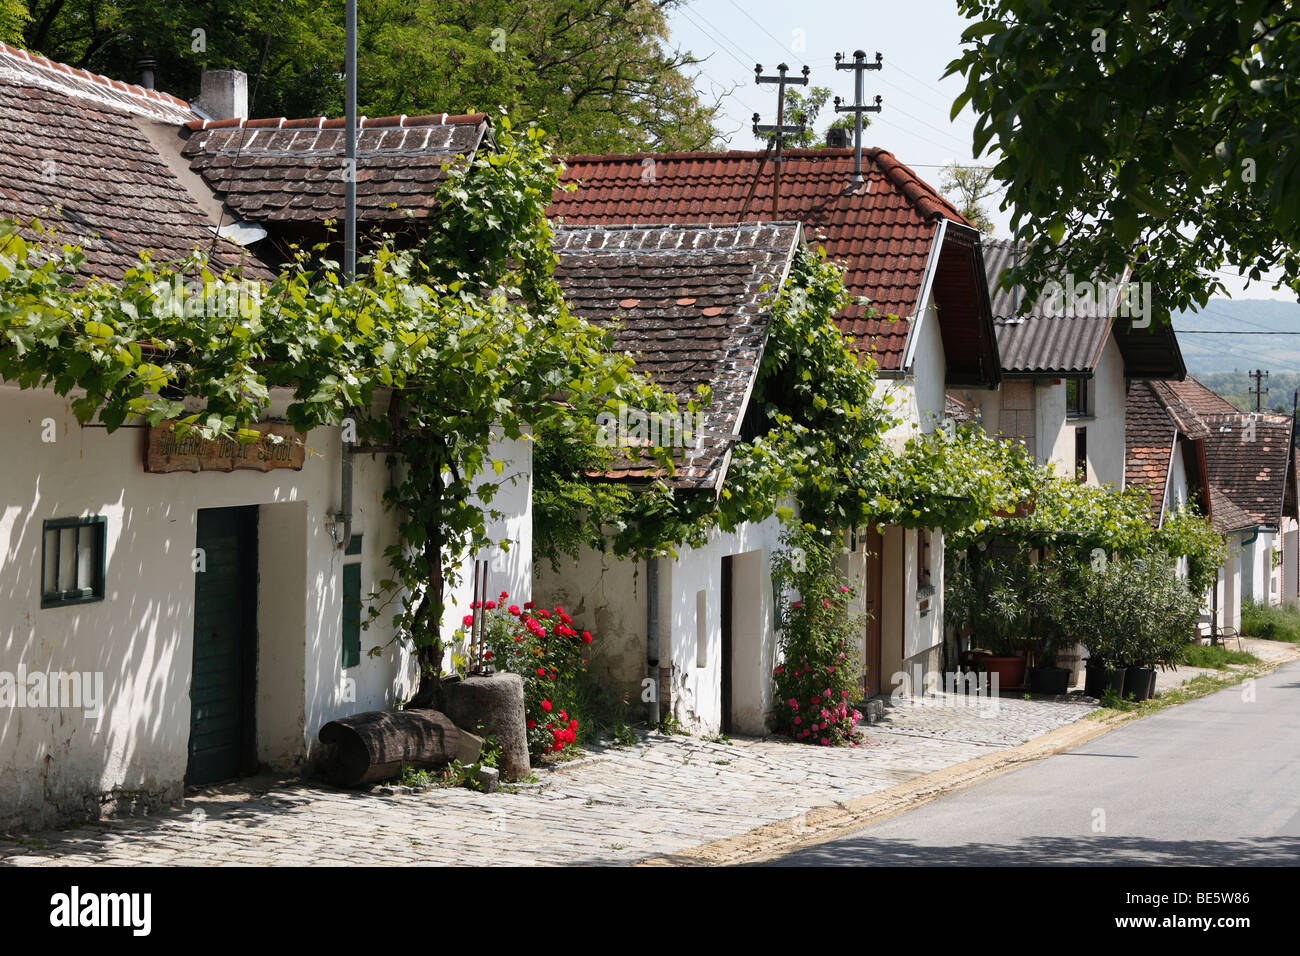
(1035, 410)
(58, 763)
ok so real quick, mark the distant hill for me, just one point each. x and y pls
(1223, 361)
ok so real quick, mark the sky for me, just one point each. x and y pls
(918, 39)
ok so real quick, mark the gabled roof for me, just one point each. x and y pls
(1149, 433)
(1041, 344)
(1228, 518)
(33, 70)
(75, 152)
(690, 303)
(882, 231)
(1199, 398)
(1249, 458)
(291, 170)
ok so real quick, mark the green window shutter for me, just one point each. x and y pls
(351, 615)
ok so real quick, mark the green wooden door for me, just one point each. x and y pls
(225, 644)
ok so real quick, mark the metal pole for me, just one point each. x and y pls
(858, 58)
(350, 165)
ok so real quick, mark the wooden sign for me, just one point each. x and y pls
(168, 451)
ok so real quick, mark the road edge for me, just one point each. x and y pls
(825, 823)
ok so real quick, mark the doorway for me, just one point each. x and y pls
(872, 544)
(222, 699)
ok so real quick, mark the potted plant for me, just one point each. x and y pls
(991, 591)
(1046, 677)
(1165, 611)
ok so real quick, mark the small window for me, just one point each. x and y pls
(922, 559)
(72, 561)
(352, 603)
(1081, 454)
(1076, 398)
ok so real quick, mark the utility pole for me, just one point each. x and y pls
(858, 66)
(350, 162)
(780, 131)
(1259, 391)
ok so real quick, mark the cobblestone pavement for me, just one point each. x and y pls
(617, 806)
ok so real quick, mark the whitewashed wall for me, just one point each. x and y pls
(56, 764)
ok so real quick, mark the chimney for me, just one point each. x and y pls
(837, 138)
(224, 94)
(146, 65)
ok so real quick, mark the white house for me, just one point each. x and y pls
(1065, 374)
(173, 614)
(1187, 445)
(921, 311)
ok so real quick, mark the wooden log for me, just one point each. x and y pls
(369, 747)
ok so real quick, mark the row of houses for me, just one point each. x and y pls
(210, 673)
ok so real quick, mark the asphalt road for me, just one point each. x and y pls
(1212, 782)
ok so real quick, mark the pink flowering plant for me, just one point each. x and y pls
(548, 652)
(818, 679)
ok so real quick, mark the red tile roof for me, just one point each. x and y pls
(690, 303)
(881, 231)
(1149, 432)
(1249, 458)
(32, 69)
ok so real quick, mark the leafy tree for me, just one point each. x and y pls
(601, 71)
(13, 17)
(1165, 134)
(810, 105)
(969, 186)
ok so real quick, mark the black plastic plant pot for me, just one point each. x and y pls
(1140, 682)
(1049, 680)
(1099, 678)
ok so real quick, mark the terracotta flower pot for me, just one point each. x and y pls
(1010, 671)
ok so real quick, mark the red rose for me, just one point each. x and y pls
(586, 639)
(504, 595)
(491, 605)
(546, 706)
(541, 672)
(514, 609)
(532, 724)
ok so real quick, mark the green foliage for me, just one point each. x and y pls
(1163, 134)
(1189, 535)
(1000, 593)
(967, 187)
(957, 482)
(1216, 657)
(601, 72)
(13, 18)
(1132, 611)
(1270, 623)
(819, 640)
(810, 105)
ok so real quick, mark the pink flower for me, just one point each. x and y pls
(491, 605)
(794, 703)
(844, 694)
(825, 603)
(825, 742)
(798, 720)
(467, 620)
(514, 609)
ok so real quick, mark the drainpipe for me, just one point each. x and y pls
(652, 638)
(344, 515)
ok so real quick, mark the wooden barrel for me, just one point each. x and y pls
(366, 748)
